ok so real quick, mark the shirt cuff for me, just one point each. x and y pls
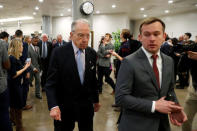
(54, 107)
(153, 107)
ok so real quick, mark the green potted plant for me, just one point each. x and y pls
(116, 39)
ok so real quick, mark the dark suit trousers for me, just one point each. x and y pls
(5, 124)
(44, 67)
(25, 86)
(104, 71)
(82, 113)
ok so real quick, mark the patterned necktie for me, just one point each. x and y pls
(80, 65)
(44, 50)
(156, 71)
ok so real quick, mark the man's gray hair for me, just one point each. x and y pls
(74, 23)
(44, 35)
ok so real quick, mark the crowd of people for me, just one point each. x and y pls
(72, 74)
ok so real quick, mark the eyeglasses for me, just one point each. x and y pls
(81, 36)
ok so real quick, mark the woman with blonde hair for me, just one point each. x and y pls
(15, 76)
(27, 39)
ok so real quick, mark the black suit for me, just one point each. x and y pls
(45, 61)
(64, 89)
(60, 44)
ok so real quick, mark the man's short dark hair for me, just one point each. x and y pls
(150, 21)
(4, 34)
(18, 33)
(188, 34)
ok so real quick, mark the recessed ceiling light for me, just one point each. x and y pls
(1, 6)
(36, 8)
(61, 14)
(113, 6)
(41, 1)
(170, 1)
(145, 15)
(34, 13)
(141, 9)
(69, 10)
(167, 11)
(98, 12)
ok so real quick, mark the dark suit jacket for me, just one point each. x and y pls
(63, 86)
(57, 44)
(45, 62)
(137, 88)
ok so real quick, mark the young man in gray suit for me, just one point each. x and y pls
(145, 84)
(33, 53)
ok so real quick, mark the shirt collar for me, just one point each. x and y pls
(149, 55)
(76, 48)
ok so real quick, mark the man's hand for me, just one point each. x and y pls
(35, 70)
(178, 118)
(166, 107)
(108, 56)
(96, 107)
(28, 75)
(55, 113)
(192, 55)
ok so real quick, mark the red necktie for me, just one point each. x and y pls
(156, 71)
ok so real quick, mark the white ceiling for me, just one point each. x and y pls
(20, 8)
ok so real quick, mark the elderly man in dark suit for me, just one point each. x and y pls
(71, 87)
(60, 42)
(145, 84)
(45, 53)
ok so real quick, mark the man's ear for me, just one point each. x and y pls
(139, 37)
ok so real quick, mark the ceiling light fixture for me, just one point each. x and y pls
(167, 11)
(36, 8)
(69, 10)
(98, 12)
(113, 6)
(16, 19)
(34, 13)
(41, 1)
(142, 9)
(170, 1)
(1, 6)
(144, 15)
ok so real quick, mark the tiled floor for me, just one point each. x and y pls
(38, 119)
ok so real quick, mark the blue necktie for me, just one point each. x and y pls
(44, 55)
(80, 65)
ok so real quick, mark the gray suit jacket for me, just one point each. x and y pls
(137, 88)
(102, 52)
(35, 57)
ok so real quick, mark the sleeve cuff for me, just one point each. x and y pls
(54, 107)
(153, 107)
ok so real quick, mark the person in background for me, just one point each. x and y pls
(54, 42)
(145, 84)
(15, 76)
(27, 39)
(33, 53)
(71, 88)
(4, 36)
(4, 94)
(45, 53)
(104, 63)
(23, 58)
(60, 42)
(190, 106)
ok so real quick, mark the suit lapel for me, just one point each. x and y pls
(87, 64)
(74, 63)
(164, 71)
(148, 68)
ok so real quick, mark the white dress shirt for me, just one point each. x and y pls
(159, 66)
